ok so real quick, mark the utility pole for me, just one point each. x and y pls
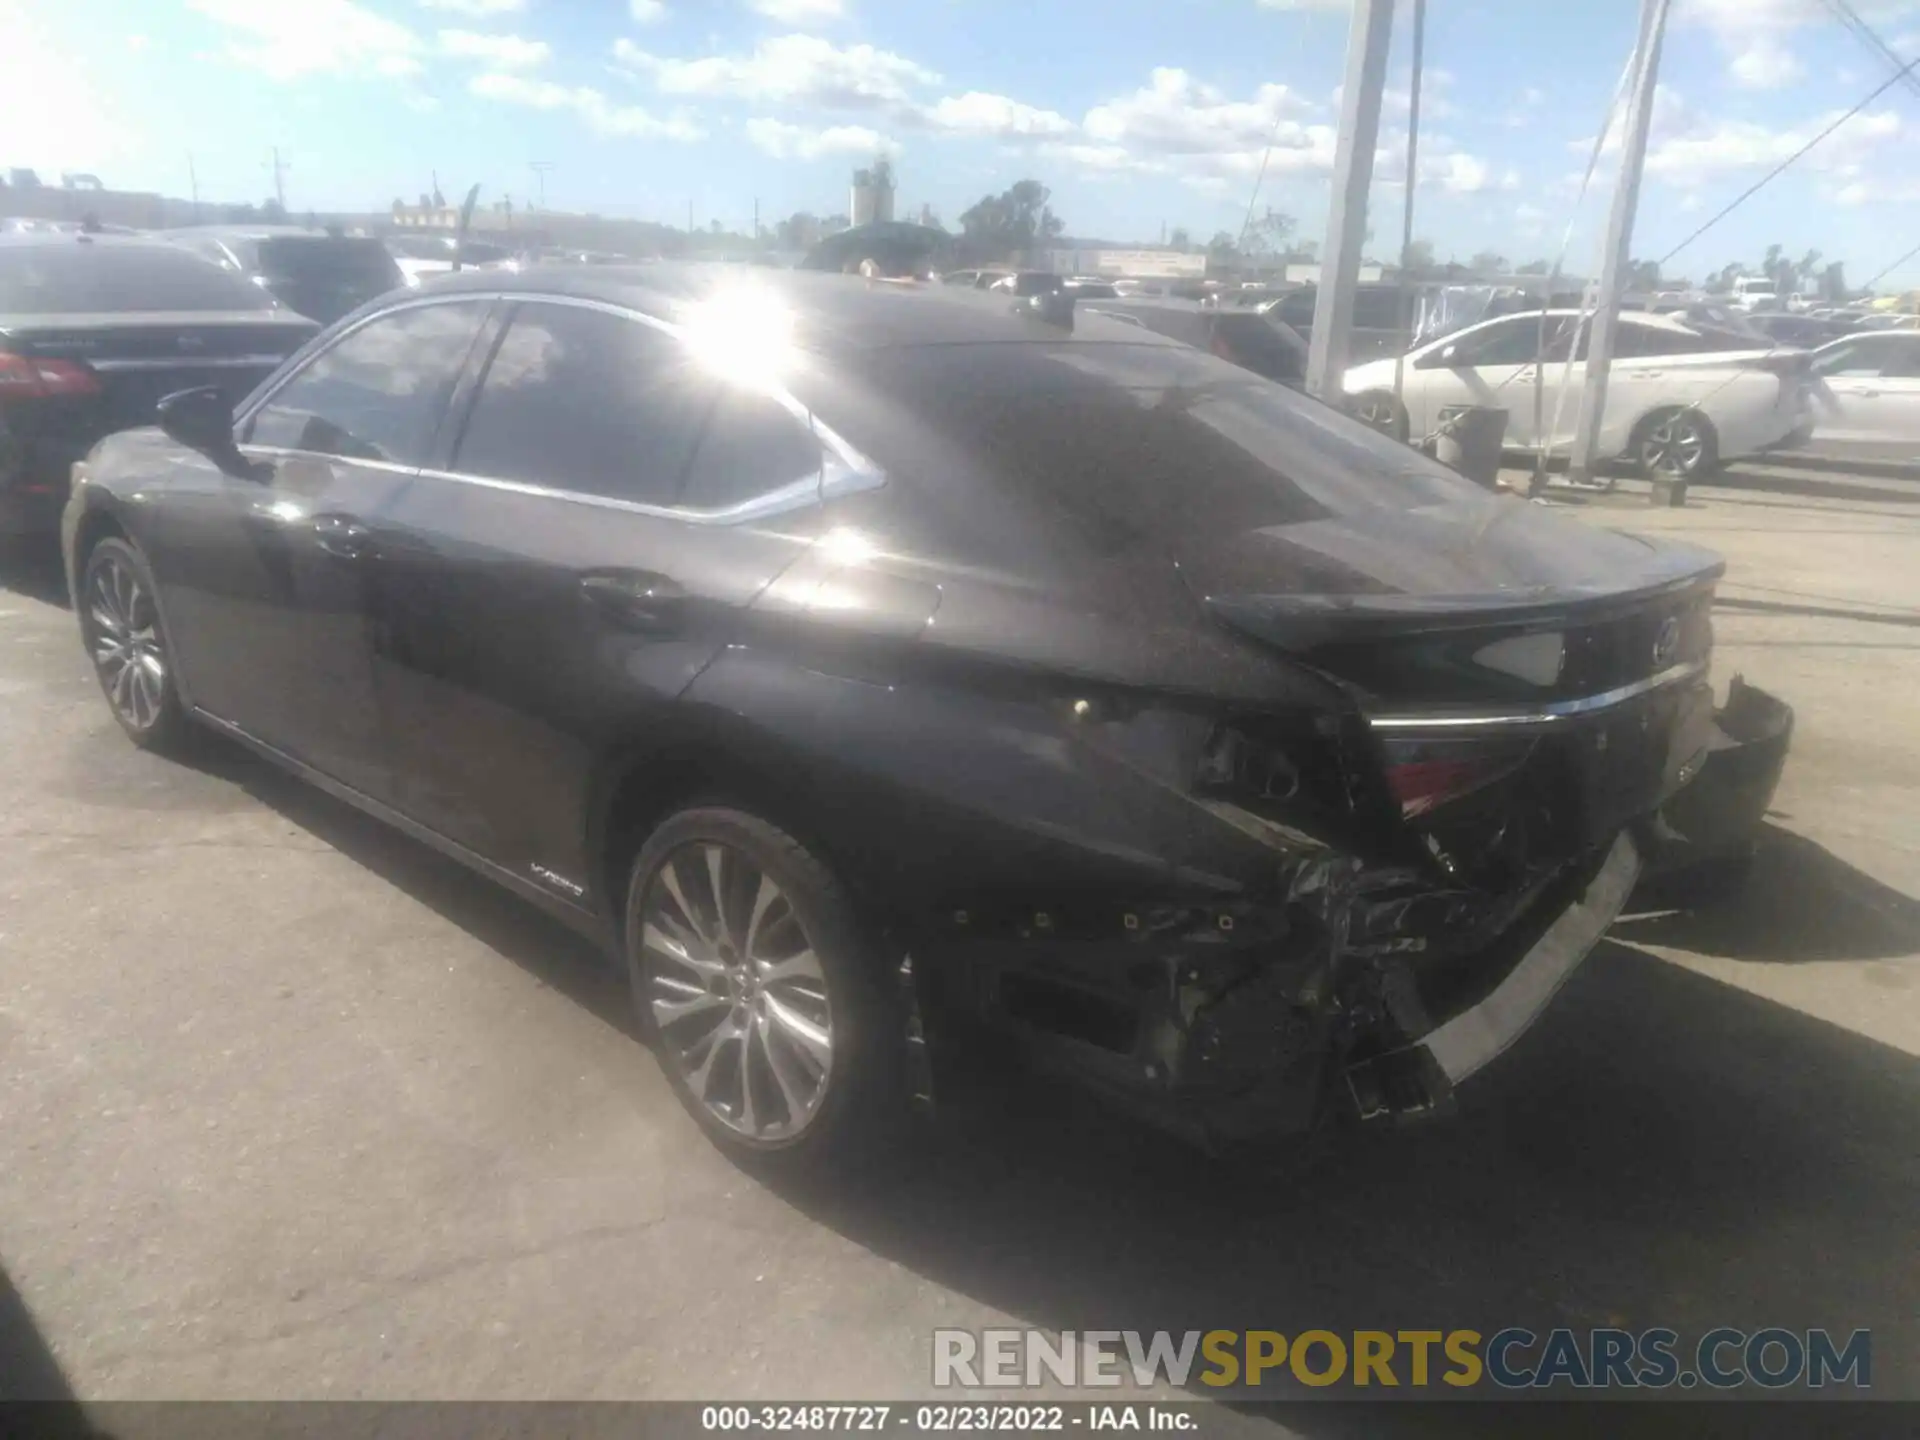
(193, 185)
(1626, 198)
(280, 168)
(540, 169)
(1413, 171)
(1366, 83)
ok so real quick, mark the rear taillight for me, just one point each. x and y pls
(1425, 775)
(31, 376)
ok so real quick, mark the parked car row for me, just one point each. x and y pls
(773, 629)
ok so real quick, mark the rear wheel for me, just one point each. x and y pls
(120, 623)
(1382, 411)
(767, 1004)
(1677, 442)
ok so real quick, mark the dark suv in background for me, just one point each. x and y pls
(321, 275)
(1380, 326)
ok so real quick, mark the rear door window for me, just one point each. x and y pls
(1376, 309)
(380, 393)
(753, 446)
(588, 401)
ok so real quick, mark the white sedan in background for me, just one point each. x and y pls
(1866, 390)
(1681, 397)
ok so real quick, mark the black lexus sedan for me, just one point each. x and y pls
(94, 330)
(872, 666)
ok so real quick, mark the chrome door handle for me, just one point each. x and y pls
(640, 599)
(342, 536)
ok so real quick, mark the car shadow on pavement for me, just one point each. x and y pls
(32, 568)
(28, 1370)
(542, 946)
(1802, 903)
(1661, 1150)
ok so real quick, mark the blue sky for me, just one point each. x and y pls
(1138, 113)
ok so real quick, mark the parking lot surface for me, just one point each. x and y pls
(291, 1106)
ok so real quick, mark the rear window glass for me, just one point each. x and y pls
(325, 257)
(76, 277)
(1120, 445)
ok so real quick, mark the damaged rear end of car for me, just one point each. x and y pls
(1261, 770)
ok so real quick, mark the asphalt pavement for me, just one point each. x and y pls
(292, 1107)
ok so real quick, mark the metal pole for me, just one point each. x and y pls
(1626, 198)
(1366, 81)
(1406, 227)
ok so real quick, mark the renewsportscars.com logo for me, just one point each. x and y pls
(1510, 1359)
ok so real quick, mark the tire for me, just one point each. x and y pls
(1677, 440)
(120, 626)
(1379, 409)
(802, 1063)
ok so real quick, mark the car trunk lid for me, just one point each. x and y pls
(132, 361)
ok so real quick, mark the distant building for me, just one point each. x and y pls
(1129, 264)
(872, 198)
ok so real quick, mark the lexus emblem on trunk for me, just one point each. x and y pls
(1667, 643)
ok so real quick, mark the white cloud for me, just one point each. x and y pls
(784, 141)
(1175, 114)
(476, 7)
(799, 12)
(797, 69)
(1305, 4)
(1707, 148)
(1760, 39)
(977, 113)
(1765, 64)
(509, 52)
(589, 104)
(646, 12)
(1104, 158)
(285, 41)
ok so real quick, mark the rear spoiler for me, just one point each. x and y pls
(1303, 623)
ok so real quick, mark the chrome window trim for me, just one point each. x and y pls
(189, 361)
(843, 469)
(281, 452)
(1558, 711)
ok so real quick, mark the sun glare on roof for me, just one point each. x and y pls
(743, 333)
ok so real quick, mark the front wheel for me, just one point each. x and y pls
(120, 623)
(766, 1001)
(1677, 442)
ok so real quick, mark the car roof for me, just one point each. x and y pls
(830, 311)
(46, 239)
(255, 232)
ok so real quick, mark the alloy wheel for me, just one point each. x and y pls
(1674, 444)
(737, 995)
(1378, 411)
(127, 651)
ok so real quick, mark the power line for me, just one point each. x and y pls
(1868, 36)
(1891, 268)
(1904, 72)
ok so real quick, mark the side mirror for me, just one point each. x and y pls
(201, 419)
